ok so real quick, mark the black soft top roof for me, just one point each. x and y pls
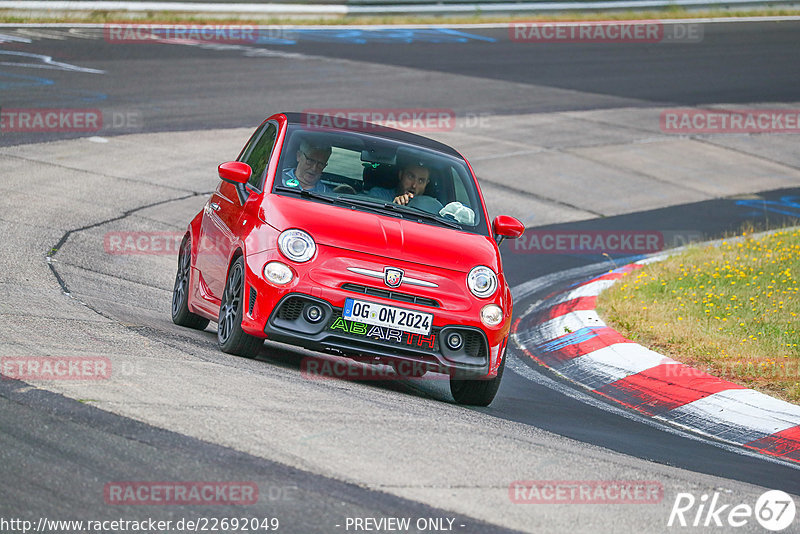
(376, 130)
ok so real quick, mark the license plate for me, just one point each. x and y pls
(387, 316)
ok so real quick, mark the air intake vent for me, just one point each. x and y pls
(392, 295)
(474, 345)
(253, 295)
(291, 309)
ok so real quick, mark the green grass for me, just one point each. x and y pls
(731, 310)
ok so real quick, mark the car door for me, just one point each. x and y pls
(220, 227)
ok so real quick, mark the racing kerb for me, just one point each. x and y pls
(565, 334)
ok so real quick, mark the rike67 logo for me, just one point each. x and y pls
(774, 510)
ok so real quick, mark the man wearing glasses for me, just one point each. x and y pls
(311, 160)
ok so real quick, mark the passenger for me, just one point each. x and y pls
(413, 179)
(311, 160)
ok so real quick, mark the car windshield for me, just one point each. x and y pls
(368, 172)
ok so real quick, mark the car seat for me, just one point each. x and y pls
(380, 175)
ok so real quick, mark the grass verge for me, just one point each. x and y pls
(22, 17)
(732, 310)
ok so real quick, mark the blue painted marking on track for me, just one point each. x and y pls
(788, 205)
(573, 338)
(280, 36)
(18, 81)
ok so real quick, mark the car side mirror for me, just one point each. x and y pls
(235, 172)
(238, 174)
(506, 226)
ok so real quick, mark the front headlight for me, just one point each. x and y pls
(297, 245)
(482, 282)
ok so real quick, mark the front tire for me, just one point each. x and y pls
(232, 339)
(477, 392)
(181, 315)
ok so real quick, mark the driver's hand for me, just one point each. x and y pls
(403, 199)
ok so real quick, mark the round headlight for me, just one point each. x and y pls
(491, 315)
(482, 281)
(278, 273)
(297, 245)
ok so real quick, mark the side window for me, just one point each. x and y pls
(257, 153)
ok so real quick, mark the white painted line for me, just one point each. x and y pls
(591, 289)
(537, 284)
(741, 408)
(614, 362)
(43, 62)
(13, 39)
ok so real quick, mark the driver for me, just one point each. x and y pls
(311, 160)
(413, 178)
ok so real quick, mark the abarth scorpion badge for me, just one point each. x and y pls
(392, 277)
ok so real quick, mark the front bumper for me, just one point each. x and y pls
(292, 321)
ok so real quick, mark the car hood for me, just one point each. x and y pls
(391, 237)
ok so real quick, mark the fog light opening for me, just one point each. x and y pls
(314, 313)
(454, 341)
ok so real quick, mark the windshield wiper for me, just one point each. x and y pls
(401, 211)
(305, 193)
(377, 207)
(415, 212)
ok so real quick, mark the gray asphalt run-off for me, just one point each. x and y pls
(542, 168)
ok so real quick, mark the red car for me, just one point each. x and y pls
(359, 240)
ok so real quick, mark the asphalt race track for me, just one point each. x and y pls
(565, 136)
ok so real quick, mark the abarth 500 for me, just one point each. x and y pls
(359, 240)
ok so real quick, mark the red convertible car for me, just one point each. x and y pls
(355, 239)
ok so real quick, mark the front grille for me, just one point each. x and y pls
(391, 295)
(291, 309)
